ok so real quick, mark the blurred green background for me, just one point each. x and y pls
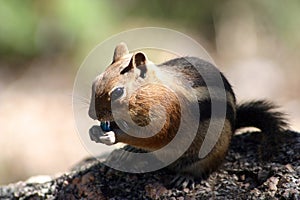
(42, 44)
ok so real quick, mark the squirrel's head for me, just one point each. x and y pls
(127, 72)
(130, 92)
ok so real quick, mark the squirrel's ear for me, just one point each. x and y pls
(120, 51)
(139, 61)
(138, 64)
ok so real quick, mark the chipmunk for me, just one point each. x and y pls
(136, 83)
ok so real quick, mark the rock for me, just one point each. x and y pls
(273, 183)
(154, 191)
(245, 174)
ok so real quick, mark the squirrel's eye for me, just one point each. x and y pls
(117, 93)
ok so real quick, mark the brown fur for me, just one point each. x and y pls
(149, 102)
(143, 93)
(139, 108)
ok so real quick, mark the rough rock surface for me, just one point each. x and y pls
(257, 167)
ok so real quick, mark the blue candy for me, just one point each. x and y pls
(105, 126)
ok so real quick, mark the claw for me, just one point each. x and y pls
(183, 181)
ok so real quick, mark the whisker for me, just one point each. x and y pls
(81, 99)
(83, 104)
(82, 108)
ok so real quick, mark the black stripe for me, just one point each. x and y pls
(194, 69)
(205, 110)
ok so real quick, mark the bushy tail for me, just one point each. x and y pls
(262, 115)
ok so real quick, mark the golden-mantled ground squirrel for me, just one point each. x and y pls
(134, 83)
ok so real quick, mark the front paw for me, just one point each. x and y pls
(109, 138)
(99, 136)
(95, 133)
